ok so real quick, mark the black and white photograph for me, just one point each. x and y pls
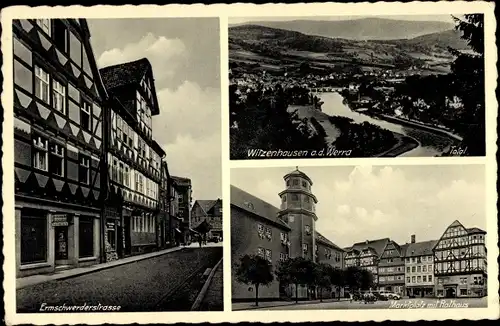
(117, 160)
(306, 238)
(356, 86)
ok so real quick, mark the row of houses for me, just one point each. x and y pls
(453, 266)
(91, 183)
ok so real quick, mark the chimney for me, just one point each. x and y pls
(412, 238)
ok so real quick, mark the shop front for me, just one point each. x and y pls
(48, 240)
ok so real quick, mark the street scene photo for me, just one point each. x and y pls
(352, 86)
(116, 207)
(329, 238)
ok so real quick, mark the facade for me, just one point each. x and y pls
(419, 268)
(210, 211)
(184, 199)
(58, 137)
(133, 159)
(391, 268)
(366, 255)
(460, 264)
(259, 228)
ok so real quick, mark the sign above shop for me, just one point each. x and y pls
(59, 220)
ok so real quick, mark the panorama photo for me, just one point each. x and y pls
(385, 86)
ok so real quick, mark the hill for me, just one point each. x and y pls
(360, 29)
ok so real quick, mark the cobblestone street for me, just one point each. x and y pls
(144, 285)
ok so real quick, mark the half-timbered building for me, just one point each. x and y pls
(460, 264)
(391, 268)
(133, 159)
(58, 131)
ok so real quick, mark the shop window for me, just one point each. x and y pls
(86, 237)
(40, 154)
(84, 173)
(56, 159)
(44, 24)
(58, 96)
(33, 238)
(85, 120)
(463, 291)
(60, 35)
(42, 84)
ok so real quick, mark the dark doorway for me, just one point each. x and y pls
(119, 245)
(61, 245)
(128, 244)
(451, 293)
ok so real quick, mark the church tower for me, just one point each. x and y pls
(298, 210)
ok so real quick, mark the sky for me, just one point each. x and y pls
(184, 53)
(366, 203)
(441, 18)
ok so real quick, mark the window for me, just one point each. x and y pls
(86, 236)
(419, 279)
(413, 279)
(418, 269)
(40, 146)
(308, 229)
(295, 182)
(33, 237)
(58, 96)
(268, 233)
(268, 255)
(283, 199)
(42, 81)
(120, 173)
(75, 48)
(408, 280)
(260, 252)
(413, 270)
(304, 184)
(56, 160)
(85, 120)
(126, 176)
(44, 25)
(424, 278)
(304, 247)
(295, 197)
(60, 35)
(84, 169)
(429, 278)
(413, 259)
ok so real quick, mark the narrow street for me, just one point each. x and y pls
(164, 283)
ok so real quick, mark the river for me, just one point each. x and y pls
(430, 144)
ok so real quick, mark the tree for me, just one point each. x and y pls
(366, 280)
(256, 271)
(296, 271)
(323, 278)
(337, 278)
(353, 278)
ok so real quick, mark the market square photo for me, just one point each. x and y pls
(113, 209)
(328, 238)
(357, 86)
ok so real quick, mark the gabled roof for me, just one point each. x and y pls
(255, 205)
(423, 248)
(125, 73)
(181, 181)
(205, 204)
(324, 240)
(378, 245)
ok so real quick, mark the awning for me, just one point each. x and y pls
(177, 230)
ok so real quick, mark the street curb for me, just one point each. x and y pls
(197, 303)
(98, 268)
(285, 305)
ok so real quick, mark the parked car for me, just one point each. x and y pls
(390, 295)
(380, 296)
(213, 239)
(369, 297)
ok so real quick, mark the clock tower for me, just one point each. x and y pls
(298, 210)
